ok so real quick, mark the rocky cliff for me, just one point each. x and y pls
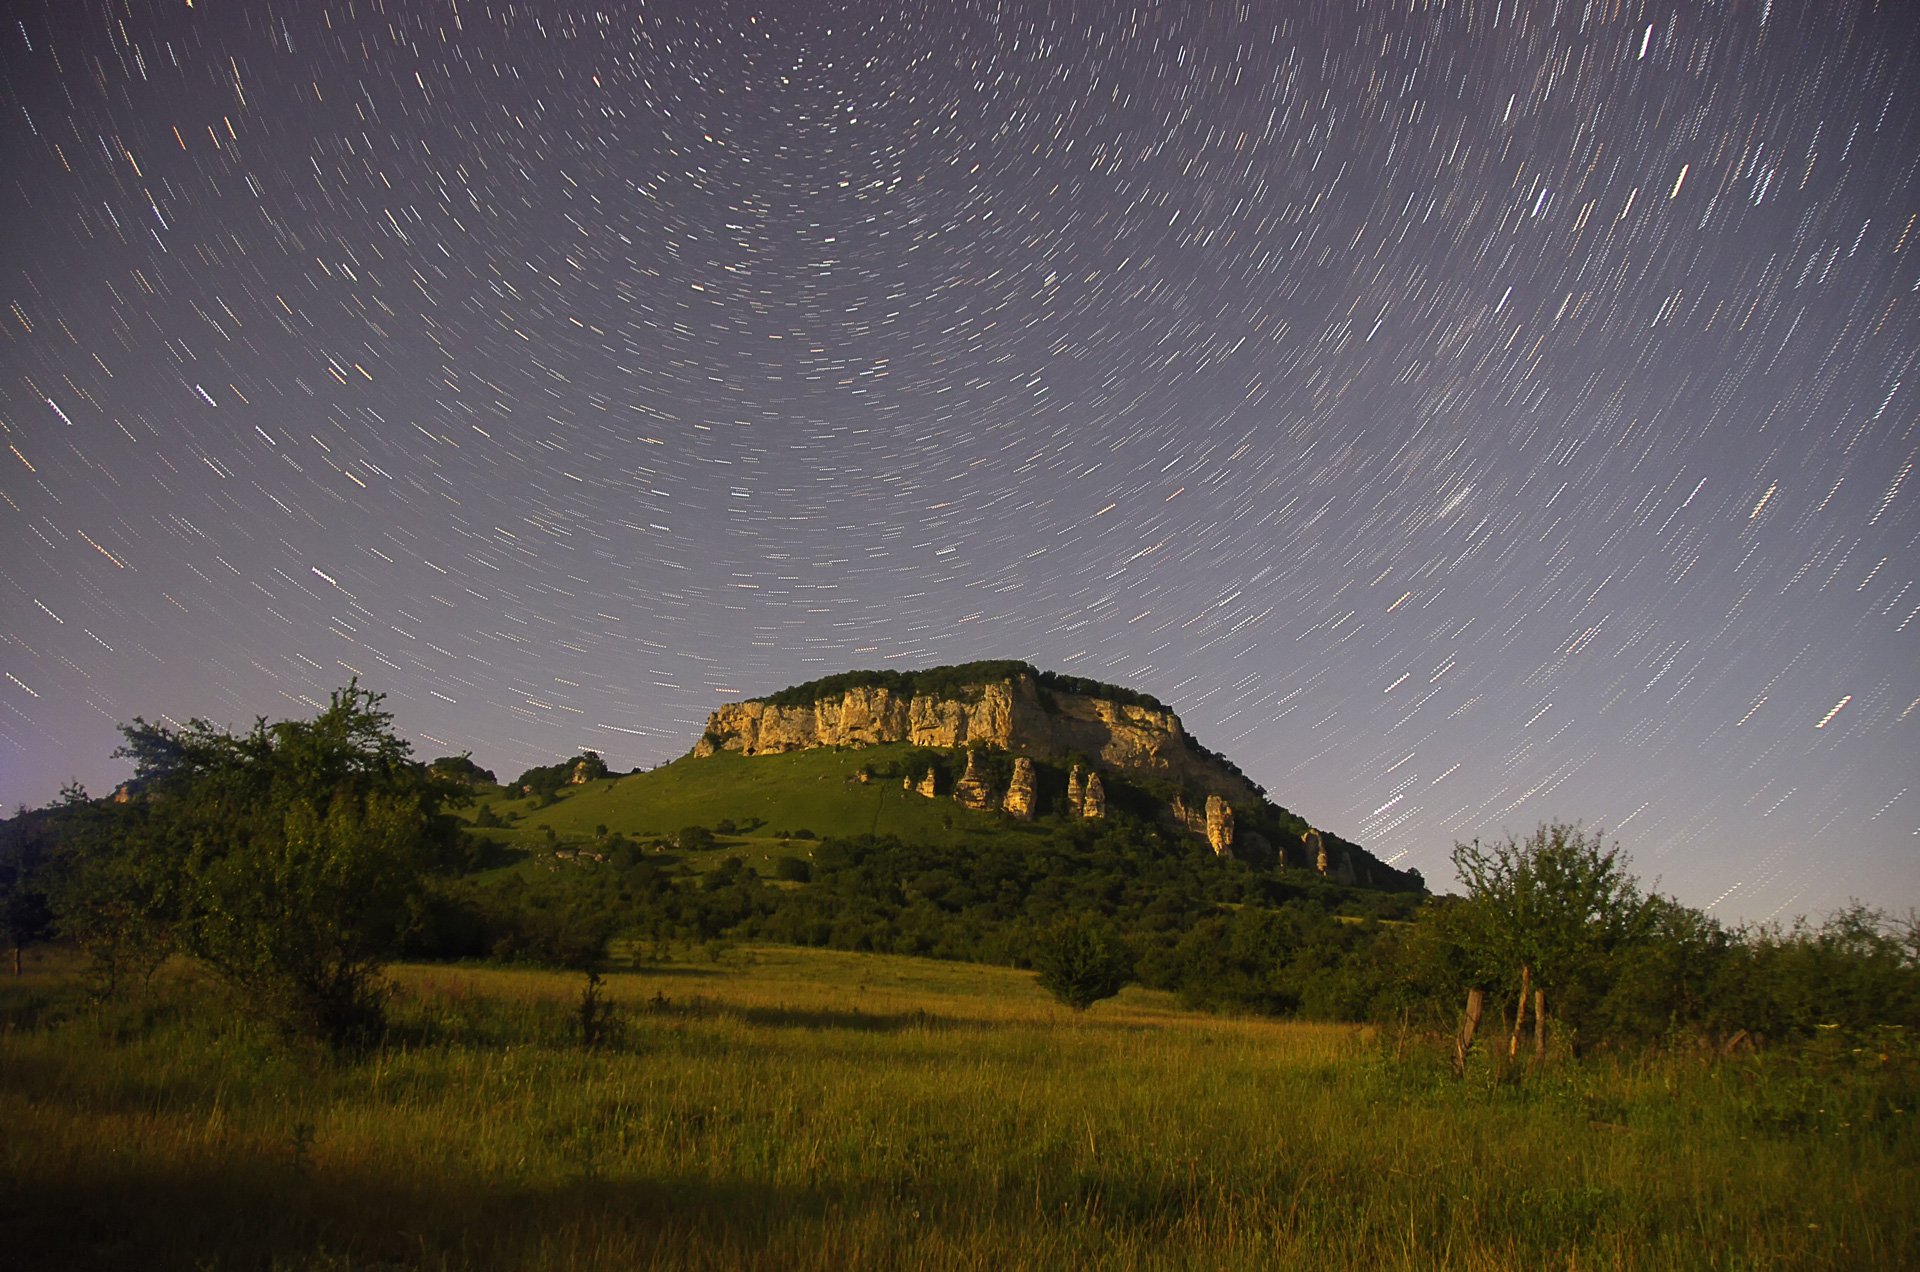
(1015, 711)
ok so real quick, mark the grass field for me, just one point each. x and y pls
(817, 791)
(790, 1109)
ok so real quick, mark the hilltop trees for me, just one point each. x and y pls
(289, 860)
(544, 781)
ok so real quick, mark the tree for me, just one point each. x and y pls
(1080, 962)
(290, 860)
(1549, 912)
(463, 769)
(26, 915)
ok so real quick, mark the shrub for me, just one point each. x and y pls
(1080, 962)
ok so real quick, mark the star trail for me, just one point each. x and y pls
(1464, 414)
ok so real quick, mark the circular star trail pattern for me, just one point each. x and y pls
(1464, 414)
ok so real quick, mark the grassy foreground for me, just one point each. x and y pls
(798, 1109)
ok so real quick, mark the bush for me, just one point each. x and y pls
(1080, 963)
(290, 860)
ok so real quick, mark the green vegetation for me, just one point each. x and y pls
(816, 790)
(783, 1108)
(289, 860)
(716, 1094)
(1080, 963)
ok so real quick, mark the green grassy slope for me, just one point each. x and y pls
(803, 790)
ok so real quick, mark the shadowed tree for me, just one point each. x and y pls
(1080, 962)
(1549, 914)
(290, 859)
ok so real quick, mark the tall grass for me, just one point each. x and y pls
(811, 1109)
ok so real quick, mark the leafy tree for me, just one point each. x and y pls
(102, 892)
(1856, 968)
(1080, 962)
(1551, 910)
(792, 869)
(543, 782)
(290, 860)
(462, 768)
(26, 911)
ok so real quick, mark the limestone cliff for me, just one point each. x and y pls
(1015, 712)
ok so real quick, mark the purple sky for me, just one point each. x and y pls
(1464, 417)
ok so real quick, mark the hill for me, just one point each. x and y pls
(937, 757)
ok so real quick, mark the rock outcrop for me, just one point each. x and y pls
(971, 790)
(1212, 821)
(1013, 714)
(1219, 826)
(925, 786)
(1020, 798)
(1315, 847)
(1076, 792)
(1093, 798)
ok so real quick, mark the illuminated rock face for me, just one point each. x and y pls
(971, 790)
(1019, 801)
(1086, 797)
(1093, 799)
(1013, 715)
(1212, 821)
(1220, 826)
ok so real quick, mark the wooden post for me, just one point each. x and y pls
(1539, 1024)
(1519, 1011)
(1468, 1024)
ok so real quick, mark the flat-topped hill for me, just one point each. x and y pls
(1006, 737)
(1005, 706)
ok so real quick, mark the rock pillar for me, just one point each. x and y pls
(1220, 826)
(1093, 798)
(1020, 792)
(971, 791)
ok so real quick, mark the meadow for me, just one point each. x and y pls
(795, 1109)
(817, 790)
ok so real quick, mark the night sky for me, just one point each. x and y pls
(1463, 414)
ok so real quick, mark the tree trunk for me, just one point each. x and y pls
(1539, 1024)
(1468, 1023)
(16, 959)
(1519, 1011)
